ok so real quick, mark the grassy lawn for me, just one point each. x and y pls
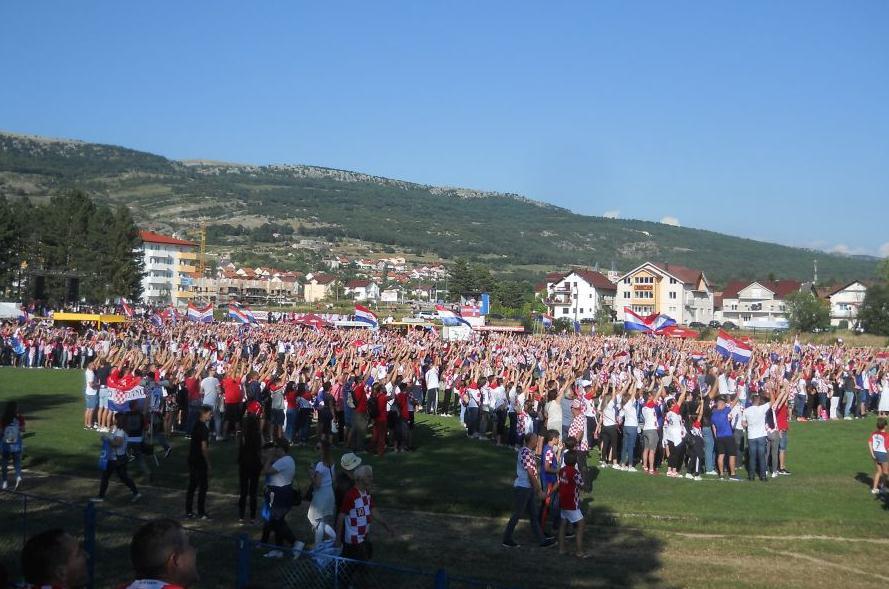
(645, 530)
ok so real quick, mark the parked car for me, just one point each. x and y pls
(427, 315)
(696, 325)
(729, 325)
(715, 324)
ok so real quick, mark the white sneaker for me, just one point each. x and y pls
(688, 475)
(5, 484)
(274, 554)
(630, 469)
(848, 418)
(712, 473)
(603, 465)
(297, 549)
(18, 481)
(698, 478)
(774, 475)
(872, 491)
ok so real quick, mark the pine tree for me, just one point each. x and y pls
(127, 267)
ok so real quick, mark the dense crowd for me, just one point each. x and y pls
(563, 402)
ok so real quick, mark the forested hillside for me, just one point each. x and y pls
(496, 228)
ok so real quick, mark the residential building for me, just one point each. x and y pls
(680, 292)
(278, 287)
(747, 303)
(579, 294)
(318, 287)
(845, 301)
(170, 264)
(362, 290)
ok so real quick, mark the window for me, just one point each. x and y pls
(673, 294)
(581, 310)
(591, 295)
(564, 310)
(626, 280)
(626, 294)
(672, 281)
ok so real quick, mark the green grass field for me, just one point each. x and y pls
(808, 527)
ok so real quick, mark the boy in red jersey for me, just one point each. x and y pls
(570, 484)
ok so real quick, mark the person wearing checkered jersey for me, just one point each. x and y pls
(356, 513)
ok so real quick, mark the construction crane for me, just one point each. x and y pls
(202, 258)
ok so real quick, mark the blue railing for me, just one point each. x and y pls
(224, 561)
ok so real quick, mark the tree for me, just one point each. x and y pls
(603, 320)
(563, 325)
(874, 311)
(807, 312)
(127, 267)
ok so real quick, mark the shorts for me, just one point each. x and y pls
(92, 401)
(276, 417)
(104, 395)
(651, 439)
(862, 395)
(782, 440)
(881, 457)
(572, 515)
(726, 445)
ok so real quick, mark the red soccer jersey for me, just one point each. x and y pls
(570, 483)
(232, 391)
(360, 398)
(356, 507)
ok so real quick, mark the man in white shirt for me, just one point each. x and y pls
(432, 389)
(210, 393)
(757, 442)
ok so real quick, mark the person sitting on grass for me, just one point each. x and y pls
(570, 484)
(877, 445)
(56, 559)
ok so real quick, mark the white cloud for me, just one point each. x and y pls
(884, 250)
(670, 221)
(840, 248)
(615, 214)
(845, 250)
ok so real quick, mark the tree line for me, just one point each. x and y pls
(69, 237)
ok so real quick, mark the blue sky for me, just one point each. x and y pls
(762, 119)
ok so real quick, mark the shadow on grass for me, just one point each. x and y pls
(868, 480)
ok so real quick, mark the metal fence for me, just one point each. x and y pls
(224, 561)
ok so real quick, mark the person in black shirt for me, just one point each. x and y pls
(249, 465)
(199, 465)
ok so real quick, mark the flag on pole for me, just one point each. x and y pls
(127, 309)
(156, 320)
(576, 326)
(241, 314)
(199, 314)
(365, 315)
(733, 348)
(652, 323)
(547, 320)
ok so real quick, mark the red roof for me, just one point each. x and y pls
(323, 278)
(597, 280)
(358, 284)
(781, 288)
(152, 237)
(686, 275)
(555, 276)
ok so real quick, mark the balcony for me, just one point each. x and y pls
(559, 298)
(188, 256)
(186, 269)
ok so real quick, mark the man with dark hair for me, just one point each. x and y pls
(54, 558)
(199, 465)
(162, 557)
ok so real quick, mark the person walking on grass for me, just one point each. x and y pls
(199, 464)
(117, 461)
(570, 484)
(527, 495)
(878, 445)
(249, 465)
(12, 426)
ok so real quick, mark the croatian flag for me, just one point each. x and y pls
(796, 347)
(576, 326)
(365, 315)
(241, 314)
(547, 320)
(156, 319)
(24, 316)
(450, 318)
(652, 323)
(127, 309)
(697, 357)
(199, 314)
(733, 348)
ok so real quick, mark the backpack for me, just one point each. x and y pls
(373, 409)
(11, 432)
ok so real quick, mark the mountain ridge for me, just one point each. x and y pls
(450, 221)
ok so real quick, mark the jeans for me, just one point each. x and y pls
(757, 457)
(118, 466)
(848, 399)
(800, 406)
(740, 446)
(709, 447)
(512, 438)
(291, 425)
(472, 420)
(16, 463)
(774, 443)
(198, 479)
(194, 410)
(432, 400)
(446, 404)
(523, 503)
(629, 445)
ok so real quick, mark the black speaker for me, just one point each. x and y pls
(39, 287)
(72, 290)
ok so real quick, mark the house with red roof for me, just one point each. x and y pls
(762, 302)
(362, 290)
(677, 291)
(169, 265)
(578, 294)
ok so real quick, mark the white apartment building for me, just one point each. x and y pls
(170, 264)
(682, 293)
(362, 290)
(579, 294)
(757, 303)
(845, 303)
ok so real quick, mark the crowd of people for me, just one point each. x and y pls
(644, 404)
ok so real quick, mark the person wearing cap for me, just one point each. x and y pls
(344, 477)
